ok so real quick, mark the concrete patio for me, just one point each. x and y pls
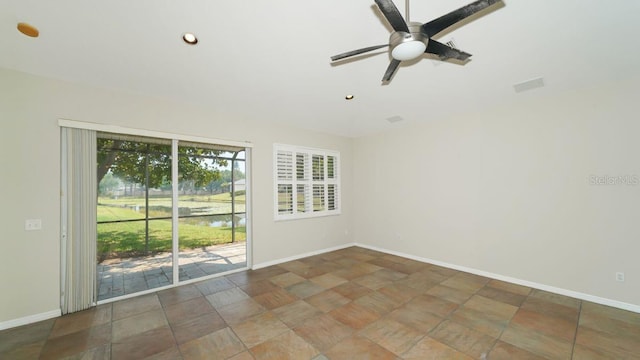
(117, 277)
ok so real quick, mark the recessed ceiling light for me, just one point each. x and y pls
(28, 30)
(349, 97)
(190, 38)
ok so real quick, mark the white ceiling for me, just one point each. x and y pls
(270, 59)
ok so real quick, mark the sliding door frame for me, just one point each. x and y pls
(175, 140)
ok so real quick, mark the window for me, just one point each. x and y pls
(306, 182)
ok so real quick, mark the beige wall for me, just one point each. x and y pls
(30, 107)
(506, 191)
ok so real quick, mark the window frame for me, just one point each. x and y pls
(293, 168)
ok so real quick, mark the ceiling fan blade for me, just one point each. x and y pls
(445, 52)
(435, 26)
(393, 66)
(393, 16)
(357, 52)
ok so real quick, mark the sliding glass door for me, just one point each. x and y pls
(211, 198)
(140, 200)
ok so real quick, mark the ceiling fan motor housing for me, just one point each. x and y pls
(408, 46)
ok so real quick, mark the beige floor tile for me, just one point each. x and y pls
(29, 350)
(327, 300)
(245, 355)
(462, 338)
(378, 303)
(14, 338)
(535, 342)
(137, 324)
(259, 328)
(502, 295)
(478, 321)
(352, 290)
(432, 304)
(188, 310)
(240, 311)
(310, 272)
(449, 294)
(555, 298)
(275, 299)
(509, 287)
(328, 281)
(399, 294)
(197, 327)
(624, 347)
(466, 282)
(373, 282)
(323, 331)
(505, 351)
(287, 279)
(608, 319)
(81, 320)
(550, 309)
(393, 265)
(495, 310)
(256, 288)
(102, 352)
(144, 344)
(552, 326)
(178, 294)
(284, 347)
(433, 274)
(581, 352)
(295, 265)
(227, 297)
(354, 315)
(209, 287)
(420, 282)
(134, 306)
(392, 335)
(356, 347)
(305, 289)
(431, 349)
(221, 344)
(421, 321)
(77, 342)
(296, 312)
(173, 353)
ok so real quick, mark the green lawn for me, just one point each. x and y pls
(127, 239)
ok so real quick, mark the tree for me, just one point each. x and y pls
(133, 161)
(108, 184)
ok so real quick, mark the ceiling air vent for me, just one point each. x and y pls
(528, 85)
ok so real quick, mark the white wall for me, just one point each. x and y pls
(29, 185)
(506, 191)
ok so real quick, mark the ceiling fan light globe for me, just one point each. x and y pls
(408, 50)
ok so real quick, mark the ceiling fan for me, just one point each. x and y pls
(409, 41)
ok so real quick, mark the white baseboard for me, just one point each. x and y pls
(556, 290)
(300, 256)
(30, 319)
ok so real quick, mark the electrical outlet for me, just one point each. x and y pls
(32, 224)
(620, 276)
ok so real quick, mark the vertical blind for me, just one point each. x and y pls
(78, 238)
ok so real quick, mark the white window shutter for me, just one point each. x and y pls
(307, 182)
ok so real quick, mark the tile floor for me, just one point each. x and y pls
(348, 304)
(117, 277)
